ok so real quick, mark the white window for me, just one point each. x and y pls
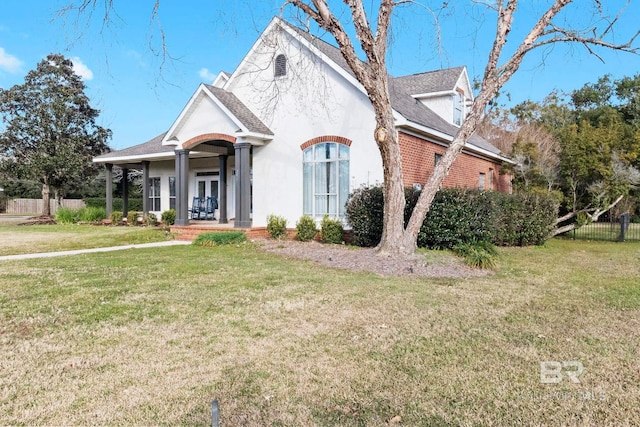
(154, 194)
(280, 66)
(325, 179)
(458, 108)
(172, 192)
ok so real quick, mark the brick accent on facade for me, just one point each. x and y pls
(325, 138)
(418, 161)
(197, 140)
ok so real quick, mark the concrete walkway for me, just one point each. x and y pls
(87, 251)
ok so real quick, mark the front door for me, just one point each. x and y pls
(207, 184)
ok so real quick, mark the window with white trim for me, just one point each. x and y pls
(154, 194)
(458, 108)
(172, 192)
(325, 179)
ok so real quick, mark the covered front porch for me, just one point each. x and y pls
(206, 153)
(201, 168)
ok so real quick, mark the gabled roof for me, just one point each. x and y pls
(229, 105)
(239, 110)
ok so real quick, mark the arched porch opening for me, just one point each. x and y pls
(221, 147)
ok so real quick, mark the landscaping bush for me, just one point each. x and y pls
(92, 214)
(306, 228)
(364, 214)
(524, 219)
(116, 217)
(332, 230)
(457, 216)
(168, 217)
(135, 203)
(132, 218)
(276, 227)
(460, 216)
(478, 254)
(220, 238)
(150, 219)
(66, 216)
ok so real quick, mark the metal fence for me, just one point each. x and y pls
(34, 206)
(611, 228)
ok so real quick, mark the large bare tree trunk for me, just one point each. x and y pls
(394, 200)
(46, 194)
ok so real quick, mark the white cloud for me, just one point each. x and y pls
(9, 62)
(207, 75)
(81, 69)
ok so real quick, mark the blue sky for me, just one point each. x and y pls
(139, 96)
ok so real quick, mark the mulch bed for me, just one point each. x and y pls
(39, 220)
(367, 259)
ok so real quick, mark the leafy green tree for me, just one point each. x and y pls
(50, 133)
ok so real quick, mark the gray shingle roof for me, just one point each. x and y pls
(429, 82)
(239, 110)
(153, 146)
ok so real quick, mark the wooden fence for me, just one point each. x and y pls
(34, 206)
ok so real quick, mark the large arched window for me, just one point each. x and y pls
(280, 66)
(326, 179)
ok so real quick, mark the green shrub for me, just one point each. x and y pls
(364, 211)
(66, 216)
(460, 216)
(478, 254)
(92, 214)
(524, 219)
(150, 219)
(132, 217)
(332, 231)
(457, 216)
(168, 217)
(306, 228)
(220, 238)
(276, 227)
(135, 203)
(116, 217)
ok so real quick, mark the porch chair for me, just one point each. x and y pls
(212, 205)
(196, 208)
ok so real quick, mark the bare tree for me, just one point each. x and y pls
(372, 73)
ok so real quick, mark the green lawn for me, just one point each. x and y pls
(152, 336)
(27, 239)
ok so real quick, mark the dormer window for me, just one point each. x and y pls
(458, 108)
(280, 66)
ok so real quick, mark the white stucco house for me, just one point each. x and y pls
(290, 132)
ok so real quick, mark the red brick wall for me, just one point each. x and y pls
(418, 163)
